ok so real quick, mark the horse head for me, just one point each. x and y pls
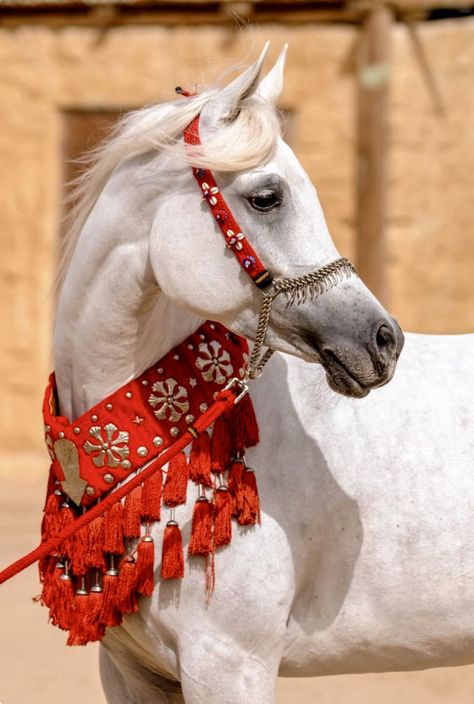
(277, 207)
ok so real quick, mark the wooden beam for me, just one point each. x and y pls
(373, 66)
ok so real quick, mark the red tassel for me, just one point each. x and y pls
(78, 630)
(244, 425)
(132, 513)
(127, 597)
(66, 517)
(172, 560)
(109, 614)
(94, 607)
(176, 483)
(220, 445)
(250, 513)
(235, 485)
(151, 497)
(113, 530)
(61, 610)
(200, 460)
(51, 521)
(88, 550)
(201, 532)
(223, 517)
(145, 566)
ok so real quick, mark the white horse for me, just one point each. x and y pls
(363, 560)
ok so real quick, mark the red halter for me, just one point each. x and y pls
(235, 240)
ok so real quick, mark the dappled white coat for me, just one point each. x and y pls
(364, 557)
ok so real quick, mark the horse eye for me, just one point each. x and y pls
(264, 200)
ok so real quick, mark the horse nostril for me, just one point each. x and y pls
(385, 340)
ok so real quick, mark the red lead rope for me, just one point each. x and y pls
(224, 402)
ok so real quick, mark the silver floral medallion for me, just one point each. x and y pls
(111, 447)
(214, 362)
(170, 400)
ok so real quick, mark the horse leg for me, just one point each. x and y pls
(128, 682)
(219, 672)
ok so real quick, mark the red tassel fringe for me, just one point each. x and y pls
(201, 531)
(132, 514)
(200, 460)
(151, 497)
(223, 517)
(145, 565)
(176, 483)
(94, 556)
(250, 512)
(172, 561)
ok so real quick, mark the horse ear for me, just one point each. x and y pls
(232, 96)
(271, 86)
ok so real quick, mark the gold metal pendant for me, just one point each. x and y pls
(68, 457)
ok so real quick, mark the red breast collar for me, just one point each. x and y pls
(138, 421)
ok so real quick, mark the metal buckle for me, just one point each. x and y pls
(243, 386)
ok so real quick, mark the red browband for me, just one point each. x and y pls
(234, 238)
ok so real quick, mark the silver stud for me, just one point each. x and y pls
(203, 407)
(176, 357)
(61, 434)
(108, 478)
(108, 406)
(212, 326)
(160, 370)
(174, 431)
(94, 418)
(128, 394)
(157, 441)
(145, 382)
(126, 464)
(190, 347)
(77, 430)
(189, 418)
(90, 491)
(47, 428)
(142, 451)
(202, 337)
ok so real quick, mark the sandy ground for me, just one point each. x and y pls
(36, 667)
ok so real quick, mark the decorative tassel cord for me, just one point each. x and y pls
(224, 401)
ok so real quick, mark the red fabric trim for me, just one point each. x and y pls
(228, 225)
(127, 419)
(223, 403)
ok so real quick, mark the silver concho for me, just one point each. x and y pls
(111, 447)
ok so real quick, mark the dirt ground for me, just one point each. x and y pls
(36, 667)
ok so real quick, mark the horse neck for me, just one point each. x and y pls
(112, 321)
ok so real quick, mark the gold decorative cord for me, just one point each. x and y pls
(297, 290)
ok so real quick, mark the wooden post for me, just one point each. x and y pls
(373, 68)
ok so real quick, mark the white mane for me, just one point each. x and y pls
(245, 143)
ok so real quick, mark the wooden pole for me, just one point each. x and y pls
(373, 57)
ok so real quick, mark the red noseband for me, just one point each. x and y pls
(234, 238)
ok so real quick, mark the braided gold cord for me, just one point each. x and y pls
(298, 290)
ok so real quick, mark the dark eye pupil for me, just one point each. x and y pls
(264, 201)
